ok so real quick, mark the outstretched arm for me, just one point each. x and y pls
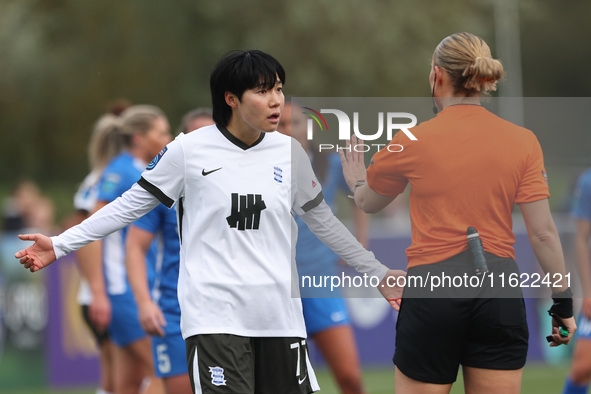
(335, 235)
(546, 245)
(132, 205)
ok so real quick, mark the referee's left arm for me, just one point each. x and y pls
(547, 248)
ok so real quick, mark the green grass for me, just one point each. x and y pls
(537, 379)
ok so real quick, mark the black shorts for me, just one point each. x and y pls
(225, 363)
(485, 329)
(99, 336)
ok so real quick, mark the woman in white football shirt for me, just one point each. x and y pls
(235, 185)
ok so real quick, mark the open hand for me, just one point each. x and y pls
(37, 256)
(353, 163)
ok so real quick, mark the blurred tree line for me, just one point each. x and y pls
(63, 61)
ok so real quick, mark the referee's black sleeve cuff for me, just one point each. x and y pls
(153, 190)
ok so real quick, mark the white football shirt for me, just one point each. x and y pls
(234, 204)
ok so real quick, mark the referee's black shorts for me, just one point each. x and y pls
(484, 327)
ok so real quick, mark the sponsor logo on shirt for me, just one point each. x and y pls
(217, 376)
(246, 211)
(156, 159)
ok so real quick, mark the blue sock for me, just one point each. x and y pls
(572, 388)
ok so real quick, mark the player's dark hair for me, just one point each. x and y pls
(239, 71)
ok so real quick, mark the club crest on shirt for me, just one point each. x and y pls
(217, 376)
(156, 159)
(278, 174)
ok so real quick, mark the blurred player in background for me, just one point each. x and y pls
(28, 209)
(580, 373)
(326, 315)
(159, 310)
(145, 131)
(237, 185)
(196, 119)
(467, 168)
(105, 143)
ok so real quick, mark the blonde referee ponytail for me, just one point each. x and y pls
(468, 61)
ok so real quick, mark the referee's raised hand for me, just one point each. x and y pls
(353, 163)
(37, 256)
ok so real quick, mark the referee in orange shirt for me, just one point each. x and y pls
(468, 168)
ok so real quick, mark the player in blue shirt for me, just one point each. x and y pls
(159, 311)
(145, 131)
(580, 373)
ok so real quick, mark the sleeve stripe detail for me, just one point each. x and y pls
(314, 202)
(163, 198)
(180, 212)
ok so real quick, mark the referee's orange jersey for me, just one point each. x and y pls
(468, 168)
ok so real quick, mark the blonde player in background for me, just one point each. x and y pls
(158, 308)
(144, 130)
(105, 143)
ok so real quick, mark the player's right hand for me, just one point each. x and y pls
(389, 288)
(38, 255)
(99, 312)
(151, 319)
